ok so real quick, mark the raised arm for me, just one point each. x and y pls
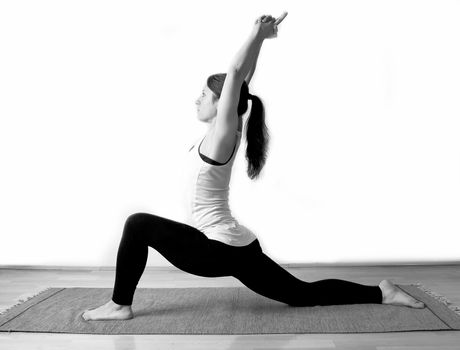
(226, 120)
(244, 61)
(241, 66)
(253, 67)
(253, 62)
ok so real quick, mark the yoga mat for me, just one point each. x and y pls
(235, 310)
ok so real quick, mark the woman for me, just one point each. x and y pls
(212, 243)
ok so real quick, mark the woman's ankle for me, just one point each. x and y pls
(119, 306)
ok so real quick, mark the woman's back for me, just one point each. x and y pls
(206, 196)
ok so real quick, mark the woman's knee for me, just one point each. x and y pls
(149, 228)
(135, 219)
(135, 224)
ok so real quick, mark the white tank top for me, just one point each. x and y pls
(206, 198)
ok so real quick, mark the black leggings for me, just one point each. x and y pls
(190, 250)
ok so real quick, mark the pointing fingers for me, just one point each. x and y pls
(281, 18)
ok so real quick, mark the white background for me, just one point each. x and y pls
(97, 108)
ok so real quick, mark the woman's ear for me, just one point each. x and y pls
(215, 101)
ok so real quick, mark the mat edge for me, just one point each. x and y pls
(439, 297)
(21, 301)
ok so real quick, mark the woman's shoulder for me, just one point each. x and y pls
(220, 151)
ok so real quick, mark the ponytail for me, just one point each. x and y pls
(257, 135)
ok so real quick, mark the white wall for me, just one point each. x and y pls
(97, 108)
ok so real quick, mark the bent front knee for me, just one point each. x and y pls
(135, 224)
(135, 219)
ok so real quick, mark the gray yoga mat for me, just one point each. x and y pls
(236, 310)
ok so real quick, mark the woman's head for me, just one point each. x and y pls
(208, 101)
(256, 131)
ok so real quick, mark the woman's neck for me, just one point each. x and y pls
(213, 125)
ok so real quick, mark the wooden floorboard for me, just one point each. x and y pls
(17, 283)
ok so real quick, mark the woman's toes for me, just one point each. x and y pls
(419, 305)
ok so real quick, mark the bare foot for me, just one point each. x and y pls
(395, 296)
(109, 311)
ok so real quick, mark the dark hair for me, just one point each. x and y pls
(257, 135)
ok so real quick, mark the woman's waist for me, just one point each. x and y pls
(224, 224)
(210, 223)
(229, 228)
(211, 215)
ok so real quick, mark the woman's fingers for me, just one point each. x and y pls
(268, 19)
(261, 19)
(281, 18)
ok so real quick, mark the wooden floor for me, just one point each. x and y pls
(15, 283)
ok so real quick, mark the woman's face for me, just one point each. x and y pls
(206, 107)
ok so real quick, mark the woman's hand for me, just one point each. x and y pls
(267, 26)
